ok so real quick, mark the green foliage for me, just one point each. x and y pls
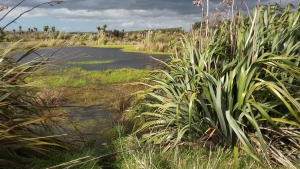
(53, 28)
(197, 25)
(134, 154)
(25, 126)
(237, 86)
(46, 28)
(77, 77)
(104, 27)
(90, 62)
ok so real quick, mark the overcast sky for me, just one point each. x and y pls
(86, 15)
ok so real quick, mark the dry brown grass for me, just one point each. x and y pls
(162, 47)
(140, 47)
(29, 45)
(51, 97)
(71, 43)
(52, 42)
(44, 44)
(174, 49)
(60, 43)
(151, 47)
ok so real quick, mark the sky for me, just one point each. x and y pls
(86, 15)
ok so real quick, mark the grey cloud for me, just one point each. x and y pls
(178, 6)
(132, 14)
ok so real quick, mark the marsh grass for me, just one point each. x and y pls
(96, 62)
(77, 77)
(132, 48)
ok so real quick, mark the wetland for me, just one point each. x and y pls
(90, 86)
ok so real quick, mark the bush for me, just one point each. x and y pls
(234, 85)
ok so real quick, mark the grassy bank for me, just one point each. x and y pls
(95, 62)
(131, 48)
(229, 99)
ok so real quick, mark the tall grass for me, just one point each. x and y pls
(25, 126)
(183, 157)
(236, 85)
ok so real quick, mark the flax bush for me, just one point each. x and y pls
(235, 85)
(25, 124)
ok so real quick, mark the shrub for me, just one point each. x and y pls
(234, 85)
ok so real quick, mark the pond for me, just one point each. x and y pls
(93, 118)
(115, 58)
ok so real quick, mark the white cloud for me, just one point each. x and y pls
(65, 29)
(127, 24)
(114, 18)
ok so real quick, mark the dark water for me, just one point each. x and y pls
(92, 121)
(82, 54)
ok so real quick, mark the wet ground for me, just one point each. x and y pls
(91, 113)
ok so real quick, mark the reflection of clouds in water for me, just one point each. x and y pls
(85, 54)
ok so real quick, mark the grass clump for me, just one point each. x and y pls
(77, 77)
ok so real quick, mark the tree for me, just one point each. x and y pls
(35, 29)
(116, 33)
(53, 28)
(99, 29)
(197, 25)
(104, 27)
(122, 34)
(14, 31)
(46, 28)
(20, 29)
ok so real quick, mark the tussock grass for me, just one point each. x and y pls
(29, 45)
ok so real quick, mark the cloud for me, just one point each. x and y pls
(114, 18)
(132, 14)
(127, 24)
(65, 29)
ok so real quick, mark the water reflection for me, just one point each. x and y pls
(118, 58)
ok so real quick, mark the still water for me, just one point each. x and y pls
(118, 59)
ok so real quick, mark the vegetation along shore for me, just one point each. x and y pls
(224, 94)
